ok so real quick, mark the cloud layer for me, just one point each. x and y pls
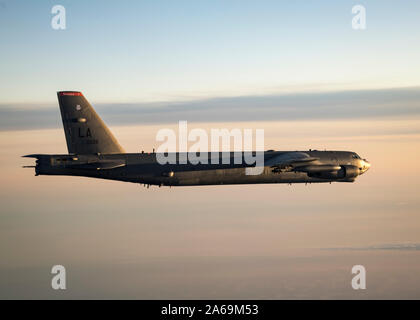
(304, 106)
(395, 246)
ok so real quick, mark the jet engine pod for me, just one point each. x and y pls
(346, 172)
(350, 171)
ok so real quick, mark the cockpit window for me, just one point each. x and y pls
(355, 156)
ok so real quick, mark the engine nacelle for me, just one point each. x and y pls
(346, 172)
(350, 171)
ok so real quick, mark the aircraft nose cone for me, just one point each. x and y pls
(366, 166)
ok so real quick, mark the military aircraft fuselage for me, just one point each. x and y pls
(144, 168)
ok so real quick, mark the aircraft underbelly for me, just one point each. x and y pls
(236, 176)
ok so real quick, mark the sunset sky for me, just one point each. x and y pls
(295, 69)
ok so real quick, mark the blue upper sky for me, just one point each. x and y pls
(125, 51)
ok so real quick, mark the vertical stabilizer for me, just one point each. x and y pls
(85, 131)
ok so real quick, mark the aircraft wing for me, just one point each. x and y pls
(289, 159)
(299, 161)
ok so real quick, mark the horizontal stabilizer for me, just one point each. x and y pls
(34, 155)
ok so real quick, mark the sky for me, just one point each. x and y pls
(296, 69)
(121, 240)
(136, 51)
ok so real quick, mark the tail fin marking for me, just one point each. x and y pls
(85, 131)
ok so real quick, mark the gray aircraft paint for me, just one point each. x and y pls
(85, 131)
(94, 152)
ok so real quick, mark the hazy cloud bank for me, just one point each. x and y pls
(303, 106)
(397, 246)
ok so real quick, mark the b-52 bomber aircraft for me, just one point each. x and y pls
(94, 152)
